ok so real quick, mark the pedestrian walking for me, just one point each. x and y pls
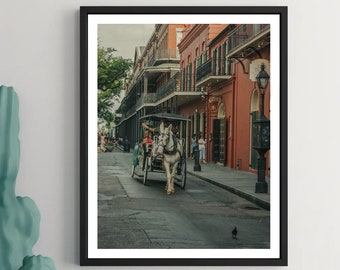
(102, 142)
(99, 142)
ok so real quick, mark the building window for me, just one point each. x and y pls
(218, 70)
(221, 112)
(183, 79)
(189, 70)
(204, 57)
(214, 62)
(224, 49)
(198, 61)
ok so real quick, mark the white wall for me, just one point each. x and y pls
(39, 56)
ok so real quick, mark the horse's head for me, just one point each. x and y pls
(164, 137)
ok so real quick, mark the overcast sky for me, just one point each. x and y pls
(125, 37)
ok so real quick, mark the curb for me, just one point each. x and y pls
(120, 147)
(241, 193)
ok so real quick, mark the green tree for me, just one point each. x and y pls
(112, 70)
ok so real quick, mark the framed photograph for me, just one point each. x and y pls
(183, 145)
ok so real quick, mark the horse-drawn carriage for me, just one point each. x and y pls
(166, 153)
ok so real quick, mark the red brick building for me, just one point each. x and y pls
(222, 62)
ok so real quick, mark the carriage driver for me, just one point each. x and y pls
(156, 129)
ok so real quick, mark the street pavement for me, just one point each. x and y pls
(239, 182)
(136, 216)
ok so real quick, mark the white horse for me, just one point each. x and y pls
(171, 153)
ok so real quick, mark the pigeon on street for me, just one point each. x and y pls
(234, 233)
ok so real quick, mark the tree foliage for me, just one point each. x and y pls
(112, 70)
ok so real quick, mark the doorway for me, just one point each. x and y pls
(253, 116)
(219, 136)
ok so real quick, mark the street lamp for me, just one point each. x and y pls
(261, 129)
(262, 78)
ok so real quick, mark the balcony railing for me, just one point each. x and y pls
(244, 33)
(146, 98)
(131, 110)
(163, 55)
(204, 70)
(168, 53)
(152, 60)
(172, 85)
(213, 67)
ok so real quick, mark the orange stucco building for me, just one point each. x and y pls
(194, 52)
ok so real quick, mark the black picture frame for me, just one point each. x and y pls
(85, 11)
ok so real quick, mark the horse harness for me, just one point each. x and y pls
(174, 150)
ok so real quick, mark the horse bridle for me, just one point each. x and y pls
(166, 137)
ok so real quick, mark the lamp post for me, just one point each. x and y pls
(197, 166)
(261, 129)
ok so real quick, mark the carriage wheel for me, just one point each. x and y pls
(183, 173)
(133, 170)
(147, 162)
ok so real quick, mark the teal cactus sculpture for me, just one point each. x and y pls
(19, 216)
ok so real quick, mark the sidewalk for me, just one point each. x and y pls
(241, 183)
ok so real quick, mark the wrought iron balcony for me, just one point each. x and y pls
(204, 70)
(247, 39)
(131, 110)
(145, 99)
(213, 71)
(171, 86)
(163, 56)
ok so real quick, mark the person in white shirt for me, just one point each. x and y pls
(201, 148)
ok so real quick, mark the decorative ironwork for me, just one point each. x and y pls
(171, 86)
(261, 129)
(204, 70)
(146, 98)
(261, 134)
(163, 55)
(244, 33)
(213, 67)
